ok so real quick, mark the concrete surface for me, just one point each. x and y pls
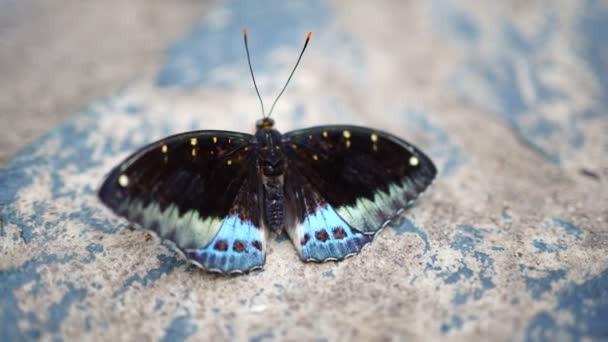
(509, 99)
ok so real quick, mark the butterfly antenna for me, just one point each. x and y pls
(292, 71)
(251, 70)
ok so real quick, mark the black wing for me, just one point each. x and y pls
(367, 176)
(197, 190)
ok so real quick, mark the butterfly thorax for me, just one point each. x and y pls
(271, 166)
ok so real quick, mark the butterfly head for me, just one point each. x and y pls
(265, 123)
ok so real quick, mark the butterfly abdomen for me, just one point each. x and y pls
(274, 208)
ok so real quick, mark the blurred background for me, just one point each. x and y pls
(508, 98)
(57, 57)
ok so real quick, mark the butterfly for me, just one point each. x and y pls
(214, 194)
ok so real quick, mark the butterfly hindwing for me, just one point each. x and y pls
(239, 243)
(314, 227)
(195, 190)
(367, 176)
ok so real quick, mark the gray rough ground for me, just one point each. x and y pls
(56, 57)
(508, 98)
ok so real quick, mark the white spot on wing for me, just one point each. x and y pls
(123, 180)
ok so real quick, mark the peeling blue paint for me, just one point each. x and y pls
(567, 227)
(593, 26)
(466, 243)
(267, 335)
(514, 74)
(545, 247)
(133, 108)
(486, 266)
(10, 312)
(159, 304)
(93, 249)
(217, 42)
(180, 329)
(59, 311)
(537, 286)
(454, 323)
(463, 272)
(328, 274)
(167, 265)
(587, 303)
(404, 225)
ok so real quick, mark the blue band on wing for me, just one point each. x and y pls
(325, 236)
(238, 247)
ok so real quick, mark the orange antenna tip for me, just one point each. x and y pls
(309, 35)
(244, 31)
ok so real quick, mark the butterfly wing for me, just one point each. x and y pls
(316, 230)
(197, 190)
(366, 177)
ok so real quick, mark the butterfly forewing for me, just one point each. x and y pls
(192, 189)
(366, 176)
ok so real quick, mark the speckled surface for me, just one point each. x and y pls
(510, 243)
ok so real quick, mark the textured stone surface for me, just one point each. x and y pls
(510, 243)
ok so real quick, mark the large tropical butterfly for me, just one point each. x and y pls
(213, 193)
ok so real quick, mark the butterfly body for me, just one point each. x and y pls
(271, 168)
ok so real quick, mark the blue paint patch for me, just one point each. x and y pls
(542, 328)
(544, 247)
(29, 164)
(593, 26)
(267, 335)
(587, 303)
(134, 108)
(466, 27)
(405, 225)
(537, 286)
(460, 298)
(159, 304)
(454, 323)
(10, 312)
(328, 274)
(93, 249)
(456, 22)
(180, 329)
(486, 266)
(464, 244)
(568, 228)
(463, 272)
(59, 311)
(510, 65)
(217, 43)
(167, 265)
